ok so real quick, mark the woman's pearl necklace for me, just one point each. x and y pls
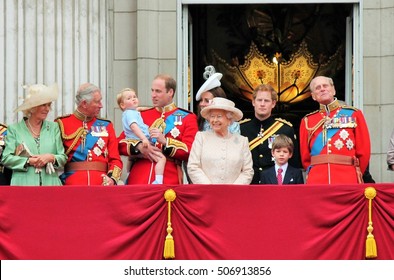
(31, 128)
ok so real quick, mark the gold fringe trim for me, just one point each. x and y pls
(169, 245)
(76, 135)
(159, 123)
(312, 130)
(175, 145)
(116, 173)
(370, 244)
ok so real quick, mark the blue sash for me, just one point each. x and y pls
(80, 153)
(172, 120)
(318, 144)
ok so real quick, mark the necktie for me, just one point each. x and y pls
(279, 177)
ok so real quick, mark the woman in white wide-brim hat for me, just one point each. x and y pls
(33, 146)
(220, 156)
(209, 90)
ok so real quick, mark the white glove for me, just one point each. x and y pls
(49, 168)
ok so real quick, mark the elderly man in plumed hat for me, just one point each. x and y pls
(33, 147)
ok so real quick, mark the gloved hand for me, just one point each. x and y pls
(49, 168)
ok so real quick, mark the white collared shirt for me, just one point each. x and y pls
(284, 168)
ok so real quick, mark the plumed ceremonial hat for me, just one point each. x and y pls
(222, 104)
(212, 81)
(37, 95)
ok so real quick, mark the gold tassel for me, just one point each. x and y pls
(370, 244)
(169, 245)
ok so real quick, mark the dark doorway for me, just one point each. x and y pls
(224, 36)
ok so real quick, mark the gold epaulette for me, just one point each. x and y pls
(350, 107)
(62, 117)
(244, 121)
(284, 121)
(102, 119)
(311, 113)
(144, 108)
(184, 110)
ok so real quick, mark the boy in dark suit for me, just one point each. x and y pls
(282, 172)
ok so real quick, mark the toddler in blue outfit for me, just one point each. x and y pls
(135, 128)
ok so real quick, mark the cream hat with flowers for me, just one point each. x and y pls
(37, 95)
(212, 81)
(222, 104)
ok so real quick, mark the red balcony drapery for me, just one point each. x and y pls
(209, 222)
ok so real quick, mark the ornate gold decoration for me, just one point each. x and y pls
(175, 145)
(289, 78)
(116, 173)
(370, 244)
(169, 245)
(76, 135)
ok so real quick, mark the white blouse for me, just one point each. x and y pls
(217, 160)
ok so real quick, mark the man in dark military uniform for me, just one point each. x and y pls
(5, 173)
(262, 130)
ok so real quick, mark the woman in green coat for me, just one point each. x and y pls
(33, 146)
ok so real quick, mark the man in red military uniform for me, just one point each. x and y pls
(90, 142)
(334, 141)
(172, 128)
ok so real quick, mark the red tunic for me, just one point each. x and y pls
(91, 141)
(180, 129)
(343, 132)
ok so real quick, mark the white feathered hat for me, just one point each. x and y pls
(212, 81)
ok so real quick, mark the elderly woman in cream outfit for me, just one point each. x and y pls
(219, 156)
(33, 147)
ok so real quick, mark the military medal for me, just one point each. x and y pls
(338, 144)
(271, 140)
(178, 120)
(260, 134)
(97, 151)
(101, 143)
(175, 132)
(99, 130)
(343, 134)
(349, 144)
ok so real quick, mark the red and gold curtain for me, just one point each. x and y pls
(209, 222)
